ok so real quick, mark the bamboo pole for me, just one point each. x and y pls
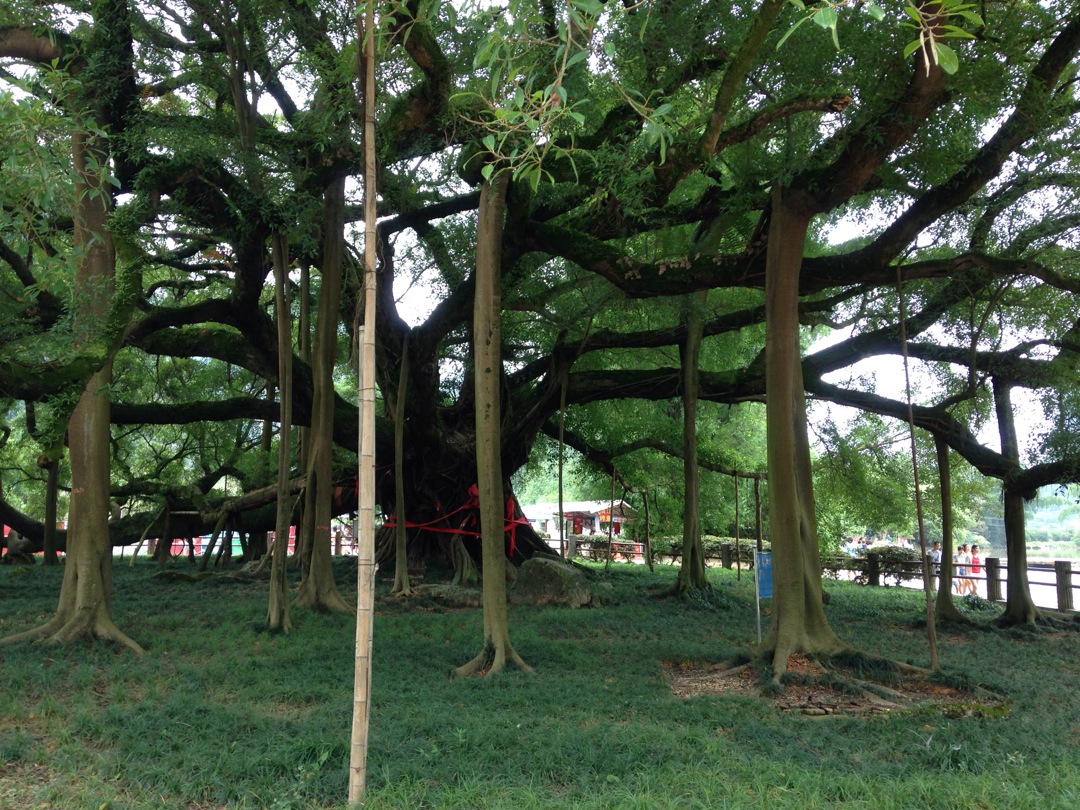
(365, 570)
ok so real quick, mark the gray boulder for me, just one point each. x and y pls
(20, 551)
(546, 581)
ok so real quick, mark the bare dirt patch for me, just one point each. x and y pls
(809, 689)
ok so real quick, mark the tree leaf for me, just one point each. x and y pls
(825, 17)
(790, 31)
(947, 58)
(956, 32)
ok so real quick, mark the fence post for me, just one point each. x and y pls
(993, 579)
(1063, 575)
(725, 554)
(873, 568)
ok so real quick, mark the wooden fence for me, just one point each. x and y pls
(872, 571)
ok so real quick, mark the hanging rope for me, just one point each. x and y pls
(931, 628)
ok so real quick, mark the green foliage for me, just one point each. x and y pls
(670, 546)
(897, 563)
(925, 20)
(524, 102)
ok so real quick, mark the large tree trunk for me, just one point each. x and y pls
(302, 551)
(163, 546)
(496, 650)
(401, 536)
(259, 540)
(317, 588)
(86, 594)
(798, 619)
(277, 612)
(692, 572)
(1019, 607)
(52, 467)
(944, 606)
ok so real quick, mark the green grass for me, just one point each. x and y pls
(221, 714)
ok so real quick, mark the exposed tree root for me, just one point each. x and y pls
(705, 594)
(958, 622)
(859, 661)
(858, 684)
(727, 671)
(41, 631)
(324, 599)
(101, 628)
(491, 660)
(779, 656)
(63, 629)
(1044, 621)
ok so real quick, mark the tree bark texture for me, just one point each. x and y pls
(944, 606)
(277, 611)
(51, 492)
(317, 588)
(497, 650)
(692, 571)
(84, 606)
(401, 536)
(1019, 606)
(798, 618)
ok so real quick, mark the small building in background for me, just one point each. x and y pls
(582, 517)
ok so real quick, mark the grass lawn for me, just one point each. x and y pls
(220, 714)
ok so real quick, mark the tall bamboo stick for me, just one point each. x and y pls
(365, 570)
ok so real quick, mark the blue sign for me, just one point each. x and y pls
(763, 574)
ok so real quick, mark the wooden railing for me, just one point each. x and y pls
(871, 570)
